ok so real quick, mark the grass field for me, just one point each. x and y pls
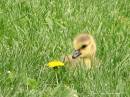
(34, 32)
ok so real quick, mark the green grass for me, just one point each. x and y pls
(34, 32)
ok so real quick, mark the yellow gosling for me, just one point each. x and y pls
(85, 50)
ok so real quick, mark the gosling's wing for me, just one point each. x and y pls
(69, 59)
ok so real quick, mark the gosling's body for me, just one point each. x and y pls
(85, 50)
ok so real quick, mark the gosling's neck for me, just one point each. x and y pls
(87, 62)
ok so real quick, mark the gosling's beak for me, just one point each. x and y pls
(76, 53)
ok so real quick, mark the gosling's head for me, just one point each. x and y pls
(84, 45)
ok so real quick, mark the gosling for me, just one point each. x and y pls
(84, 50)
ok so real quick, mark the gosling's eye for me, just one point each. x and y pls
(83, 46)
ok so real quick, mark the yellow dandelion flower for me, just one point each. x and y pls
(55, 64)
